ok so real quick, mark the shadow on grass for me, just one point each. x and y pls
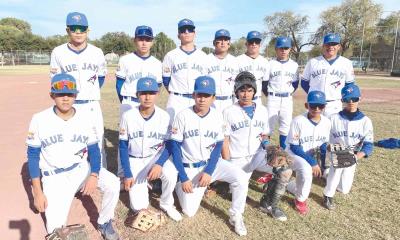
(112, 152)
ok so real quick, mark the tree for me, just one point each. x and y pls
(31, 42)
(289, 24)
(207, 50)
(162, 44)
(238, 47)
(117, 42)
(8, 37)
(21, 25)
(349, 20)
(56, 40)
(387, 27)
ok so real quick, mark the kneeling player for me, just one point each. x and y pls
(196, 141)
(308, 134)
(60, 141)
(143, 130)
(246, 129)
(353, 129)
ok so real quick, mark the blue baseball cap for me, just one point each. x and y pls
(147, 84)
(331, 38)
(186, 23)
(204, 84)
(144, 31)
(63, 83)
(283, 42)
(222, 33)
(254, 35)
(316, 97)
(351, 91)
(77, 19)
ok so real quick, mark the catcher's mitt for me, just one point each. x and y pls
(71, 232)
(146, 220)
(277, 157)
(341, 156)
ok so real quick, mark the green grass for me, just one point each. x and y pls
(378, 83)
(370, 211)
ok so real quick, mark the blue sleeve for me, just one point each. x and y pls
(118, 86)
(367, 148)
(305, 85)
(94, 158)
(323, 149)
(166, 81)
(175, 149)
(124, 158)
(295, 85)
(214, 157)
(298, 150)
(101, 80)
(33, 161)
(163, 157)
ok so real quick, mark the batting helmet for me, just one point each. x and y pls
(245, 78)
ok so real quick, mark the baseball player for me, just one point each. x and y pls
(88, 66)
(308, 132)
(181, 67)
(196, 141)
(328, 73)
(351, 128)
(223, 69)
(143, 130)
(282, 82)
(60, 141)
(253, 62)
(136, 65)
(246, 134)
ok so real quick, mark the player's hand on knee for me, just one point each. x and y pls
(128, 183)
(90, 185)
(204, 180)
(316, 170)
(187, 186)
(155, 172)
(40, 201)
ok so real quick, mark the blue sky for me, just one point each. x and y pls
(47, 17)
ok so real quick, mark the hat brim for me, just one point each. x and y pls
(317, 102)
(204, 91)
(64, 91)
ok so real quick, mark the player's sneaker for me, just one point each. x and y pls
(301, 207)
(237, 222)
(107, 231)
(173, 214)
(276, 213)
(328, 203)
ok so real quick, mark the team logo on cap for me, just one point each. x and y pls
(148, 83)
(318, 95)
(284, 40)
(77, 18)
(332, 36)
(205, 83)
(350, 90)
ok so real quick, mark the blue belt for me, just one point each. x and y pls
(186, 95)
(83, 101)
(133, 99)
(195, 165)
(223, 97)
(60, 170)
(280, 94)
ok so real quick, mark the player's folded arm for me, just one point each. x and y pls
(214, 157)
(94, 157)
(298, 150)
(163, 157)
(124, 158)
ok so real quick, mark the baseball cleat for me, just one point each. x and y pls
(276, 213)
(173, 214)
(328, 203)
(237, 222)
(107, 231)
(301, 207)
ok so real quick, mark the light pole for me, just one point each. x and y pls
(395, 43)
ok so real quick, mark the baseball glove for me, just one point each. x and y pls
(277, 157)
(341, 156)
(71, 232)
(146, 220)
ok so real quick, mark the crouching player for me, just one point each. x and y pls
(246, 129)
(196, 142)
(60, 141)
(143, 130)
(309, 133)
(351, 128)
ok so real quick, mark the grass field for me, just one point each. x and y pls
(370, 211)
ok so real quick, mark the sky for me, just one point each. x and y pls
(47, 17)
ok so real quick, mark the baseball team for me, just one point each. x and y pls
(215, 126)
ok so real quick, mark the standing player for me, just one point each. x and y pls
(246, 134)
(308, 132)
(223, 69)
(253, 62)
(351, 128)
(283, 81)
(328, 73)
(143, 130)
(88, 66)
(196, 141)
(60, 141)
(181, 67)
(136, 65)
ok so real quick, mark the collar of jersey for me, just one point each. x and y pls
(283, 62)
(333, 60)
(352, 116)
(77, 51)
(188, 52)
(311, 121)
(143, 58)
(209, 110)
